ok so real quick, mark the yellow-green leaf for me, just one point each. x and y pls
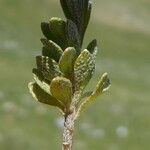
(39, 79)
(83, 69)
(41, 96)
(102, 86)
(66, 62)
(86, 95)
(61, 89)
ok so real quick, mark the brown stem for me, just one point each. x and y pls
(69, 123)
(68, 131)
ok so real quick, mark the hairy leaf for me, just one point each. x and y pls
(48, 67)
(73, 36)
(39, 79)
(86, 15)
(92, 46)
(83, 69)
(66, 62)
(61, 89)
(46, 30)
(43, 97)
(51, 49)
(79, 12)
(58, 28)
(102, 86)
(66, 9)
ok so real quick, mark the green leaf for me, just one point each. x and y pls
(66, 62)
(51, 49)
(102, 86)
(92, 46)
(86, 95)
(66, 9)
(58, 29)
(46, 30)
(57, 25)
(79, 12)
(55, 31)
(73, 36)
(86, 14)
(83, 69)
(39, 79)
(41, 96)
(61, 89)
(48, 67)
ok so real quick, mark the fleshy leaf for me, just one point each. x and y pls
(51, 49)
(48, 67)
(46, 30)
(58, 28)
(102, 86)
(73, 36)
(66, 9)
(83, 69)
(92, 46)
(43, 97)
(61, 89)
(66, 62)
(39, 79)
(79, 12)
(86, 15)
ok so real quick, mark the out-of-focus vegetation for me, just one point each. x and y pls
(119, 120)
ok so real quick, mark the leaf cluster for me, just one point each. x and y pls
(63, 69)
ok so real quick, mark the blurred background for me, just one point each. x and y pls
(118, 120)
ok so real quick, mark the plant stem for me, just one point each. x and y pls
(68, 130)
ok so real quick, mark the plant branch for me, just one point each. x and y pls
(69, 123)
(68, 130)
(63, 70)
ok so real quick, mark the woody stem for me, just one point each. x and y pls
(68, 131)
